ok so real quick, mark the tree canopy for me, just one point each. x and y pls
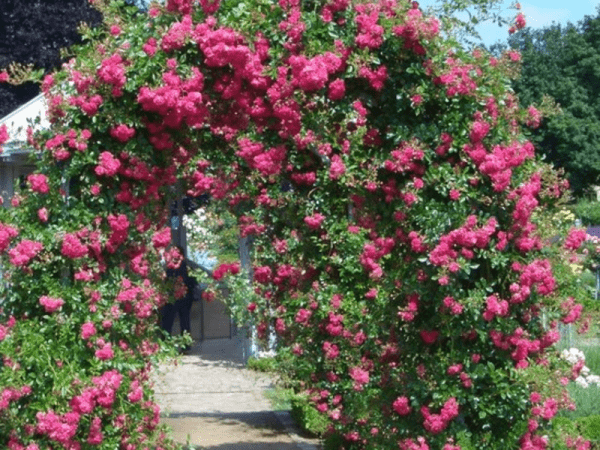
(34, 32)
(564, 62)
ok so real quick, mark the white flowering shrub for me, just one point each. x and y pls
(576, 358)
(200, 228)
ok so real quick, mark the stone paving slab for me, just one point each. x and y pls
(241, 431)
(213, 402)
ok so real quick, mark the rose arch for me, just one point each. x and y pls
(398, 213)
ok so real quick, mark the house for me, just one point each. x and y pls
(14, 160)
(210, 321)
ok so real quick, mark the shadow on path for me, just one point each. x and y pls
(256, 430)
(212, 402)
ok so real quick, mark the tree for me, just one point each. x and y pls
(563, 62)
(34, 32)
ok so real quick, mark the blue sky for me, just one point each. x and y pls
(539, 13)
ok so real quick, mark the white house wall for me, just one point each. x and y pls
(14, 158)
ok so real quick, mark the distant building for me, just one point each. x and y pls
(594, 231)
(14, 160)
(209, 320)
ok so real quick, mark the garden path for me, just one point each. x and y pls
(211, 401)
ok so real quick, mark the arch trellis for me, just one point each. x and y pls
(412, 321)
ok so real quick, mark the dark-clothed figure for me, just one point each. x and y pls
(183, 305)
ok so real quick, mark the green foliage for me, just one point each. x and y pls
(213, 232)
(464, 441)
(586, 399)
(280, 397)
(228, 237)
(589, 427)
(307, 417)
(562, 428)
(288, 399)
(263, 364)
(287, 396)
(562, 61)
(588, 279)
(588, 211)
(236, 292)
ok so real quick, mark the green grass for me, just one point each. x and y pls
(587, 401)
(280, 398)
(592, 357)
(301, 409)
(265, 364)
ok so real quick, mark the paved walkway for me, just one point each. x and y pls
(212, 402)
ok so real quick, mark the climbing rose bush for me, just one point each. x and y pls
(397, 209)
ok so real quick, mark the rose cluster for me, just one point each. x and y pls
(397, 212)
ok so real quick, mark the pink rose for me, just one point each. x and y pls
(43, 215)
(51, 304)
(402, 406)
(105, 352)
(88, 329)
(314, 222)
(429, 337)
(38, 183)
